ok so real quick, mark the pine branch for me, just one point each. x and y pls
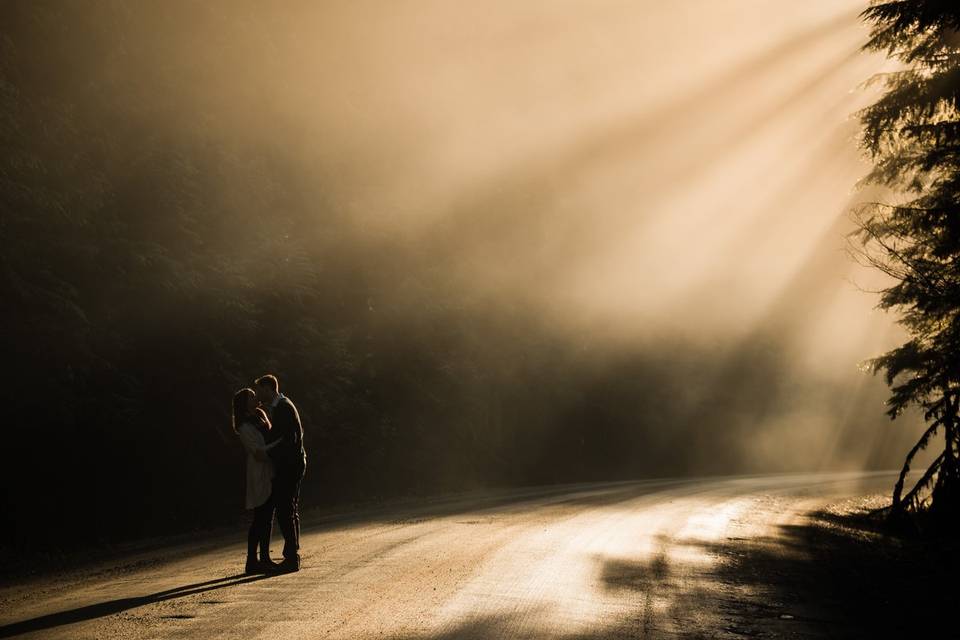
(902, 259)
(911, 498)
(919, 446)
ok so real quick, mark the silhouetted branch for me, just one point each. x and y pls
(919, 446)
(912, 497)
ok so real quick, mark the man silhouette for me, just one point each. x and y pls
(289, 463)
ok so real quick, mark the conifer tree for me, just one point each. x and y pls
(912, 135)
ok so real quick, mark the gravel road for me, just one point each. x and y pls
(623, 560)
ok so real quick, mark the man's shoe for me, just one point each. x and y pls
(289, 565)
(269, 566)
(252, 567)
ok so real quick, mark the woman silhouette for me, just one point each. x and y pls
(252, 425)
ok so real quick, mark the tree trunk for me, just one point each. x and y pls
(945, 504)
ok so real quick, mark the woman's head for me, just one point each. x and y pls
(244, 406)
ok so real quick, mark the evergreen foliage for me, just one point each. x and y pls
(912, 133)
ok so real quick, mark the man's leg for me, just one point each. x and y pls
(283, 490)
(295, 503)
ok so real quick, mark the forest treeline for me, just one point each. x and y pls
(166, 240)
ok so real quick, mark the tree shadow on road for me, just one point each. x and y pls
(837, 575)
(111, 607)
(654, 597)
(842, 575)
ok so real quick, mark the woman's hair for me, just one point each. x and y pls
(240, 413)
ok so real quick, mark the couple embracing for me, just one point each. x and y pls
(269, 428)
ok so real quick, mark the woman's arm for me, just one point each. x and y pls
(253, 442)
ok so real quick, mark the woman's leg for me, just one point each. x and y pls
(266, 527)
(253, 538)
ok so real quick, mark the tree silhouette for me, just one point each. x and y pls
(912, 134)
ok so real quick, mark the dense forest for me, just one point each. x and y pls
(170, 234)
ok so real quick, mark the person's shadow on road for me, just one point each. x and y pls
(111, 607)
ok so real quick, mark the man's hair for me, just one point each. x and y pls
(268, 380)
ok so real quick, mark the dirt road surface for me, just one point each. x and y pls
(625, 560)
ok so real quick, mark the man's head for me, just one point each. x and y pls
(267, 388)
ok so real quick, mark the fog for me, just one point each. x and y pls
(481, 244)
(629, 174)
(619, 169)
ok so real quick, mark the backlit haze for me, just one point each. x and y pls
(670, 181)
(627, 169)
(632, 174)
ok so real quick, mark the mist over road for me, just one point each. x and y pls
(640, 559)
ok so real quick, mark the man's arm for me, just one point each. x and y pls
(296, 429)
(285, 429)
